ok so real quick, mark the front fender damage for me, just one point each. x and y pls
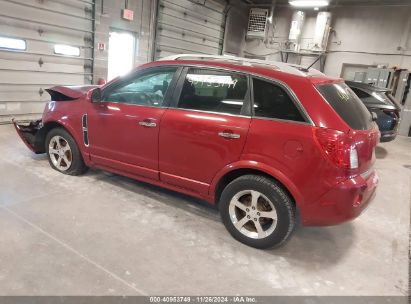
(32, 134)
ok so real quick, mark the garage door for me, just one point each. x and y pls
(42, 44)
(185, 26)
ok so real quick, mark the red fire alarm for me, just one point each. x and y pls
(101, 46)
(128, 14)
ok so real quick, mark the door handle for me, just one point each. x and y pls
(229, 135)
(147, 124)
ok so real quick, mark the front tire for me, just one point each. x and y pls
(63, 153)
(257, 211)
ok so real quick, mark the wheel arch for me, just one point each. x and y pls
(235, 171)
(53, 124)
(40, 143)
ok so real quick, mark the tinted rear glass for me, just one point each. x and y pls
(373, 98)
(347, 105)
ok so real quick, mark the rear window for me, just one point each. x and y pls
(347, 105)
(374, 98)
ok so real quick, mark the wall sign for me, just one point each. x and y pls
(128, 14)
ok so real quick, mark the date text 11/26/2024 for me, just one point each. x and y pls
(203, 299)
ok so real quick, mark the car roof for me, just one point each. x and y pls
(253, 66)
(366, 86)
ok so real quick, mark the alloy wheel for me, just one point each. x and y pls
(60, 153)
(253, 214)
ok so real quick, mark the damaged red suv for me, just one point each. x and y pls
(264, 141)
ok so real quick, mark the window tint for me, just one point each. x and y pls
(148, 89)
(273, 101)
(348, 106)
(215, 91)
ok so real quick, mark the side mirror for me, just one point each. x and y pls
(374, 116)
(96, 95)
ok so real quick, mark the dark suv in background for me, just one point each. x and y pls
(382, 103)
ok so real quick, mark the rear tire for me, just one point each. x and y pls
(63, 153)
(257, 211)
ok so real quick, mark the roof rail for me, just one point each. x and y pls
(281, 66)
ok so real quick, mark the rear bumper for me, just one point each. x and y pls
(32, 135)
(344, 202)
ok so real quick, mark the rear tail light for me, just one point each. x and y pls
(338, 147)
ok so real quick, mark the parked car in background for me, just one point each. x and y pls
(264, 141)
(381, 102)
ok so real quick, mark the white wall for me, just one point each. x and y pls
(380, 31)
(362, 35)
(109, 16)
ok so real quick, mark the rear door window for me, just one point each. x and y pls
(347, 105)
(214, 91)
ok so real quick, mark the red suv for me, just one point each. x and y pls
(265, 141)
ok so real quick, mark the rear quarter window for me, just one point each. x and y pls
(374, 98)
(272, 101)
(347, 105)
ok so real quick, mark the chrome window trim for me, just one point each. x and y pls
(306, 123)
(293, 96)
(211, 112)
(133, 104)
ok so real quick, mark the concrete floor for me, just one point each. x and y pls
(102, 234)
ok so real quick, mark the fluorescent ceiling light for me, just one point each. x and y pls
(308, 3)
(12, 43)
(66, 50)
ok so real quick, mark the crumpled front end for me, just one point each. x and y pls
(32, 134)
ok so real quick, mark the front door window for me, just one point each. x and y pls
(147, 90)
